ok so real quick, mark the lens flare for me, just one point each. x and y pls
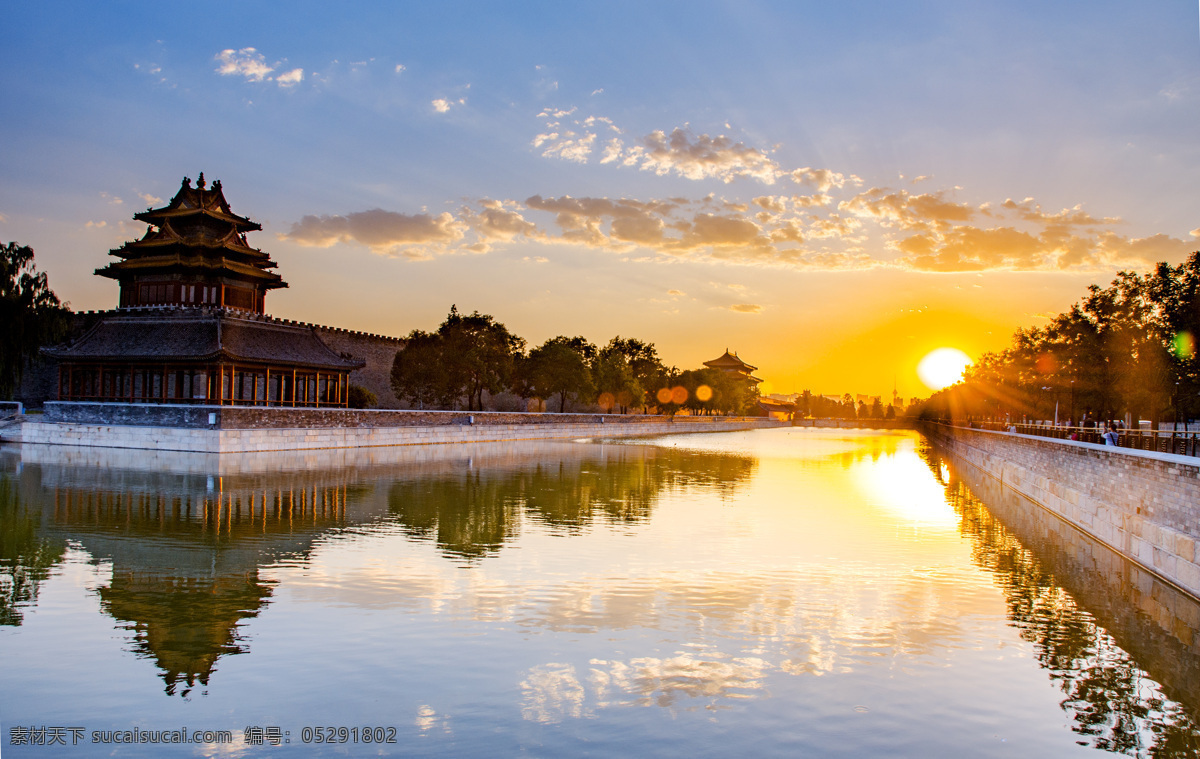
(943, 367)
(664, 395)
(704, 393)
(1046, 363)
(679, 395)
(1184, 345)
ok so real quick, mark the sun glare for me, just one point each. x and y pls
(943, 367)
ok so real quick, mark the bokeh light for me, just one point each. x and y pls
(1184, 345)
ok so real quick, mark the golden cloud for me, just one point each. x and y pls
(902, 209)
(703, 157)
(381, 231)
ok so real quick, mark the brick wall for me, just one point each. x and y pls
(1145, 506)
(377, 350)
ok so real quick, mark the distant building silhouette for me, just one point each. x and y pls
(731, 364)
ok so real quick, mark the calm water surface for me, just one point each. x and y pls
(781, 592)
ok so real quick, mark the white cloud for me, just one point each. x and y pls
(246, 62)
(573, 148)
(400, 68)
(290, 78)
(251, 64)
(442, 105)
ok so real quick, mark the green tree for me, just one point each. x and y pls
(1125, 348)
(421, 373)
(647, 368)
(31, 313)
(560, 366)
(479, 353)
(465, 357)
(360, 397)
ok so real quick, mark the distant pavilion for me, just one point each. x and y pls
(731, 364)
(190, 326)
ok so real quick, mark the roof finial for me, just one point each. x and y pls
(216, 185)
(200, 181)
(187, 182)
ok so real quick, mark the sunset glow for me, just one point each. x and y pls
(943, 367)
(574, 173)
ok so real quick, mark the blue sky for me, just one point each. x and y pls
(831, 190)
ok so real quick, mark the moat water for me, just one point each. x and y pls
(787, 592)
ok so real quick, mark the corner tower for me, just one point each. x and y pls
(194, 253)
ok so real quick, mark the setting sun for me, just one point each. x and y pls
(943, 367)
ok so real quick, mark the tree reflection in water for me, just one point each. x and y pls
(26, 557)
(1114, 704)
(473, 513)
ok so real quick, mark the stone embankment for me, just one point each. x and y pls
(230, 429)
(1144, 505)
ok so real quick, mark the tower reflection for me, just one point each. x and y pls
(188, 537)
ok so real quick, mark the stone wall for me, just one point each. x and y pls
(276, 417)
(236, 440)
(1145, 506)
(1153, 620)
(377, 350)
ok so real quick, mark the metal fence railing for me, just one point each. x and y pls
(1181, 442)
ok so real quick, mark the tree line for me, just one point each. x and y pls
(469, 356)
(1128, 349)
(821, 407)
(31, 315)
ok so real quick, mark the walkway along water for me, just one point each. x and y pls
(1144, 505)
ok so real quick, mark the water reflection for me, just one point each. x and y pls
(1121, 645)
(184, 550)
(186, 537)
(474, 511)
(790, 583)
(25, 556)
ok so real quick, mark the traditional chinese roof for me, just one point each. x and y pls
(729, 360)
(196, 233)
(192, 335)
